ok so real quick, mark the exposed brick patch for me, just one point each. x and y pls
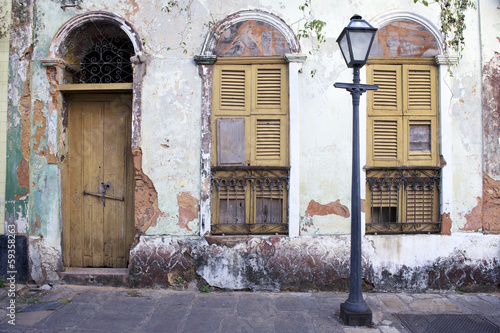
(491, 205)
(146, 197)
(188, 209)
(40, 123)
(446, 224)
(23, 177)
(335, 207)
(474, 218)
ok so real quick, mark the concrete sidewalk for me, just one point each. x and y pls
(72, 308)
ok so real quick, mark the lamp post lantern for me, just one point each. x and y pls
(355, 42)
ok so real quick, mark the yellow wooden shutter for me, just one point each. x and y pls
(269, 140)
(231, 90)
(404, 107)
(387, 99)
(420, 89)
(420, 115)
(383, 141)
(269, 87)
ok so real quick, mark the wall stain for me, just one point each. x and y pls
(474, 218)
(188, 209)
(491, 205)
(335, 207)
(146, 197)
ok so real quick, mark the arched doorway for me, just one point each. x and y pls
(93, 54)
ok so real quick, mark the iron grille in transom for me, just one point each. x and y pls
(98, 53)
(402, 200)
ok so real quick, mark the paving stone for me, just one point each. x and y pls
(243, 324)
(361, 330)
(253, 305)
(93, 297)
(129, 304)
(216, 301)
(288, 303)
(113, 321)
(70, 315)
(31, 318)
(288, 322)
(330, 301)
(203, 320)
(166, 319)
(326, 322)
(392, 303)
(432, 305)
(44, 306)
(59, 292)
(388, 329)
(177, 299)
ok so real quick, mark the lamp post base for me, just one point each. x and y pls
(351, 318)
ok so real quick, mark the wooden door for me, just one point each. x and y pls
(99, 226)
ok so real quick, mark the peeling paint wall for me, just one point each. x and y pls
(171, 147)
(4, 79)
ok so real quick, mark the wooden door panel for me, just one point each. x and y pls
(100, 230)
(116, 119)
(75, 192)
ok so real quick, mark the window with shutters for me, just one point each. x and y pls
(250, 164)
(402, 172)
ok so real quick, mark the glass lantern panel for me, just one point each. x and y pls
(344, 47)
(360, 43)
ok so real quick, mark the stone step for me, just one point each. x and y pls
(114, 277)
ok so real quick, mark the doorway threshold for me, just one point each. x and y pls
(113, 277)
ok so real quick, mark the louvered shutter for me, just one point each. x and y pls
(419, 90)
(269, 139)
(420, 116)
(387, 99)
(384, 141)
(232, 93)
(269, 82)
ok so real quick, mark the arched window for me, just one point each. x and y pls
(98, 53)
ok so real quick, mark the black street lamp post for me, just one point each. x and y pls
(355, 42)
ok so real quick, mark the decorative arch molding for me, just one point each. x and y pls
(384, 19)
(249, 15)
(58, 42)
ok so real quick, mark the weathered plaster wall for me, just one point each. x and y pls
(167, 157)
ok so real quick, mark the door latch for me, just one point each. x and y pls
(102, 193)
